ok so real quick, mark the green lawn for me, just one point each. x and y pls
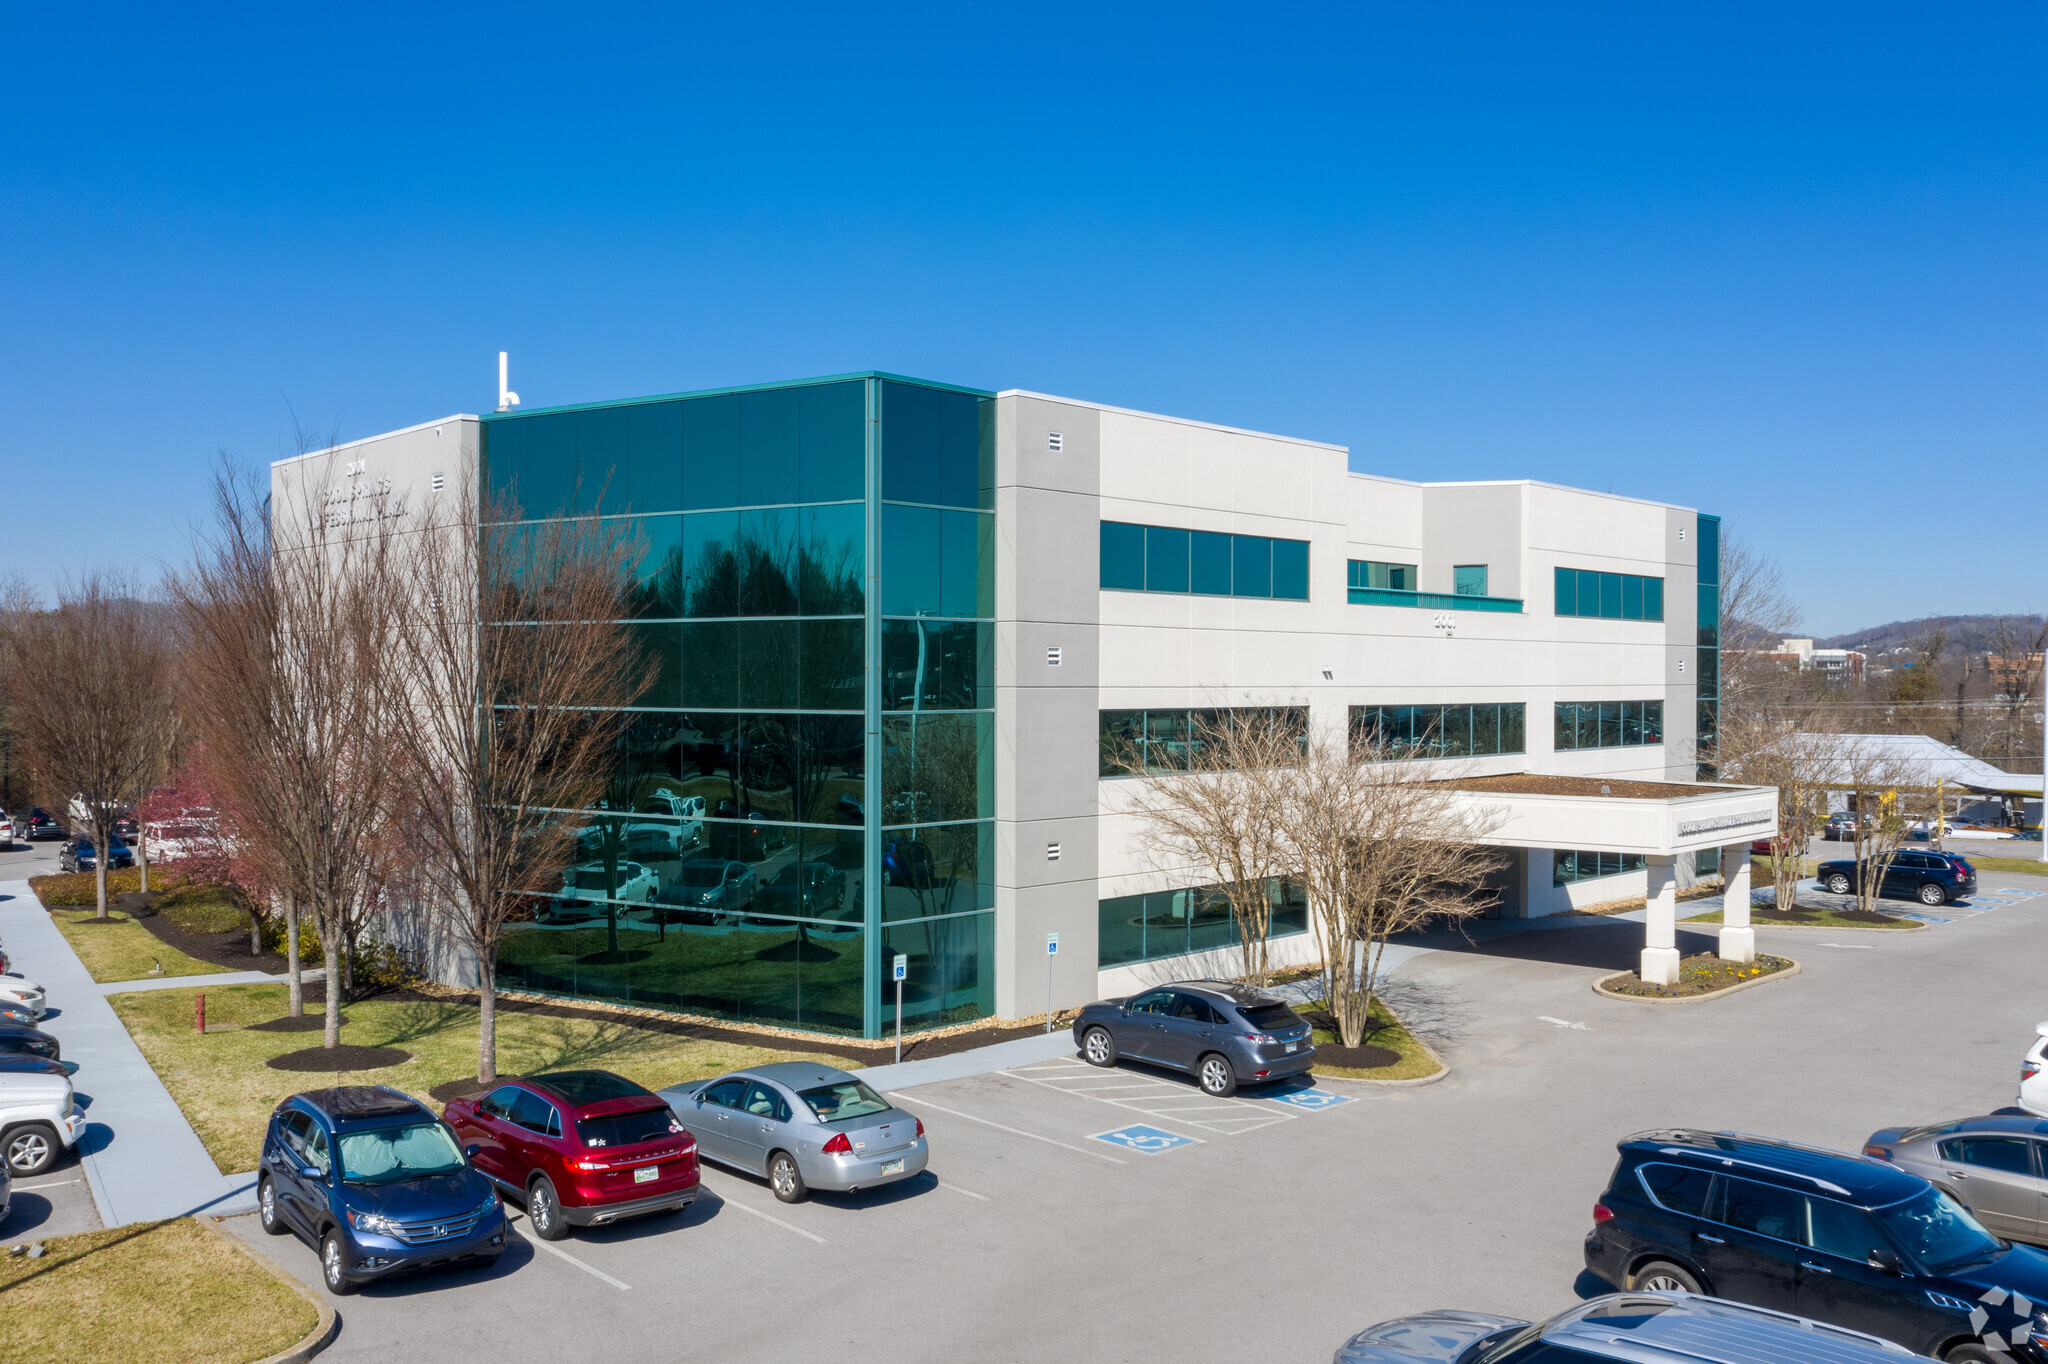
(2027, 865)
(174, 1292)
(123, 949)
(226, 1091)
(1415, 1062)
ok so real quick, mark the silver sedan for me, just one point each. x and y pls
(805, 1127)
(1996, 1166)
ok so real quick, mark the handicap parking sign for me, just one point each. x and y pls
(1314, 1100)
(1145, 1140)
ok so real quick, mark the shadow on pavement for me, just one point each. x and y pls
(1616, 946)
(1591, 1285)
(25, 1212)
(517, 1255)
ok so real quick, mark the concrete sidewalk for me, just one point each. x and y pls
(122, 987)
(141, 1158)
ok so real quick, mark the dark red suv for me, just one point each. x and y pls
(582, 1147)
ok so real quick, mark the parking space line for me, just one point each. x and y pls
(53, 1184)
(559, 1253)
(769, 1217)
(948, 1184)
(1154, 1098)
(1016, 1131)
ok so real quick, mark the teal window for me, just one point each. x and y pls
(1608, 724)
(1390, 577)
(1567, 866)
(1165, 740)
(1484, 730)
(1707, 669)
(1372, 583)
(1174, 923)
(1469, 580)
(1166, 559)
(1610, 596)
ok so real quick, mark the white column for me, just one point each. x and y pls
(1660, 925)
(1738, 939)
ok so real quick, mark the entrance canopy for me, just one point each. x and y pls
(1601, 814)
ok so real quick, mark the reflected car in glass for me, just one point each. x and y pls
(1995, 1165)
(588, 885)
(1638, 1328)
(707, 890)
(1846, 1240)
(804, 1127)
(377, 1183)
(1222, 1033)
(804, 890)
(582, 1148)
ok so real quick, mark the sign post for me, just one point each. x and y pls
(1052, 949)
(901, 968)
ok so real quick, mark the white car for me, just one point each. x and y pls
(25, 993)
(2034, 1074)
(583, 891)
(39, 1120)
(6, 832)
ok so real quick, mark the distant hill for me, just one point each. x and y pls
(1966, 634)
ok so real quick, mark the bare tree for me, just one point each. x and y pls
(1881, 787)
(1218, 812)
(515, 666)
(18, 601)
(1803, 763)
(290, 614)
(1382, 843)
(89, 691)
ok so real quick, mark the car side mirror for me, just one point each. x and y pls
(469, 1151)
(311, 1172)
(1885, 1262)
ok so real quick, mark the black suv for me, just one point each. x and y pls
(1222, 1032)
(1932, 878)
(39, 824)
(1832, 1237)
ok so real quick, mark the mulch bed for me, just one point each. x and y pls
(303, 1023)
(1801, 914)
(1700, 975)
(1355, 1058)
(229, 951)
(330, 1059)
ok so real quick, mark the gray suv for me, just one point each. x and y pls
(1222, 1033)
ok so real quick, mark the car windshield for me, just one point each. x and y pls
(1935, 1230)
(702, 874)
(848, 1099)
(627, 1129)
(389, 1154)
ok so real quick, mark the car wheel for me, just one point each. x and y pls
(1098, 1048)
(1974, 1354)
(785, 1179)
(331, 1267)
(1839, 884)
(1933, 895)
(544, 1211)
(31, 1149)
(1218, 1077)
(1661, 1276)
(266, 1208)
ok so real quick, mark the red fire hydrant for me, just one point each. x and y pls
(200, 1001)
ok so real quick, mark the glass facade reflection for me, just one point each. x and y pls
(807, 791)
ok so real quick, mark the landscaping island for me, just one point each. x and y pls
(1699, 977)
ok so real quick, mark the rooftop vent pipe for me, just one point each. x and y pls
(507, 399)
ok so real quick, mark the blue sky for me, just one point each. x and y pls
(1781, 262)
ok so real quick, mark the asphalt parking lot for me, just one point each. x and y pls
(57, 1201)
(1074, 1213)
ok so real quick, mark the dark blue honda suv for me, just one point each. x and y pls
(1835, 1238)
(377, 1182)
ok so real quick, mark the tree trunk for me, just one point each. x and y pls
(291, 955)
(487, 1020)
(99, 874)
(255, 931)
(331, 954)
(142, 859)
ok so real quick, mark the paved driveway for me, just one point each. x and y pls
(1273, 1231)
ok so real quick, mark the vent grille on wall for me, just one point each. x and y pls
(437, 483)
(1052, 852)
(1054, 440)
(1052, 655)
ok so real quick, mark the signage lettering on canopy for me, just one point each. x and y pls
(1745, 820)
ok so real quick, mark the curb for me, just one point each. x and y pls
(1914, 926)
(1793, 970)
(324, 1331)
(1442, 1069)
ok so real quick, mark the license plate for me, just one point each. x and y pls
(646, 1174)
(892, 1167)
(1292, 1046)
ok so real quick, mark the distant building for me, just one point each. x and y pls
(1843, 668)
(2015, 678)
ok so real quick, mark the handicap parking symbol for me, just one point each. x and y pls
(1145, 1140)
(1314, 1100)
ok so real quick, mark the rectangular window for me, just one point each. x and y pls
(1169, 740)
(1608, 724)
(1479, 731)
(1469, 580)
(1386, 576)
(1174, 923)
(1610, 596)
(1166, 559)
(1372, 583)
(1567, 866)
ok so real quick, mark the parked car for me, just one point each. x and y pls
(6, 831)
(907, 862)
(11, 1012)
(676, 805)
(1991, 1164)
(39, 826)
(80, 855)
(587, 885)
(6, 1191)
(24, 994)
(1842, 1239)
(30, 1041)
(173, 839)
(39, 1117)
(805, 1127)
(1640, 1328)
(1223, 1033)
(2033, 1083)
(746, 836)
(1841, 827)
(583, 1148)
(22, 1063)
(1932, 878)
(707, 890)
(377, 1183)
(804, 890)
